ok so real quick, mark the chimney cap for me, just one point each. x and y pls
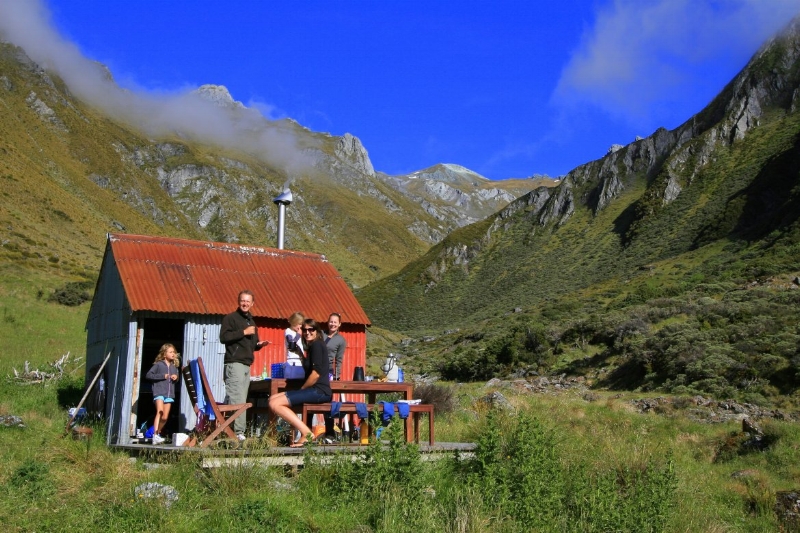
(285, 198)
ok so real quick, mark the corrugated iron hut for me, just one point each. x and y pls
(154, 290)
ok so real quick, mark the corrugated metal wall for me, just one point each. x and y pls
(201, 339)
(107, 329)
(356, 352)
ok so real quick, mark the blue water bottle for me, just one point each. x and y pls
(399, 375)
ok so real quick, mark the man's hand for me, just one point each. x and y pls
(250, 330)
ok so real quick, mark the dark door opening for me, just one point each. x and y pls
(157, 332)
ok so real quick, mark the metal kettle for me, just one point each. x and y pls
(390, 368)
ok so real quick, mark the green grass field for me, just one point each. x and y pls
(560, 462)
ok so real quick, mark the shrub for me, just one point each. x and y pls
(521, 476)
(72, 294)
(468, 365)
(441, 396)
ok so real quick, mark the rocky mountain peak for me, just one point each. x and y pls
(218, 95)
(455, 194)
(671, 159)
(349, 149)
(449, 173)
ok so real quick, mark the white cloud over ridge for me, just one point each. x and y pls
(27, 24)
(641, 54)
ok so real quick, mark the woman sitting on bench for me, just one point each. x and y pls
(316, 389)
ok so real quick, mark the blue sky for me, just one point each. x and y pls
(505, 88)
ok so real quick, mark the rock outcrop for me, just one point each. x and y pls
(350, 149)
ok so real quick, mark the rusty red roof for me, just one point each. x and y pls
(181, 276)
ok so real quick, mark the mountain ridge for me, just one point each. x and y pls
(652, 173)
(184, 184)
(453, 192)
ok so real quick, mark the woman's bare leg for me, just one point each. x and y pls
(279, 405)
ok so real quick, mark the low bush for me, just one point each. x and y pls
(72, 294)
(441, 396)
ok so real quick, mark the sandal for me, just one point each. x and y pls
(302, 442)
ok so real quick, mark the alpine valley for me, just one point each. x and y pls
(670, 264)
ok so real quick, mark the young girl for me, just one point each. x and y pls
(294, 341)
(163, 375)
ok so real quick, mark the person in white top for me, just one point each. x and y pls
(293, 340)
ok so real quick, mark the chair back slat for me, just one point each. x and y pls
(191, 386)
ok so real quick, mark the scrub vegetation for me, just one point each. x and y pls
(571, 461)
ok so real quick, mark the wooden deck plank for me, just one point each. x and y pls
(283, 456)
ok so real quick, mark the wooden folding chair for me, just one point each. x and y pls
(224, 414)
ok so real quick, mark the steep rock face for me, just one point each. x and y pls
(219, 95)
(559, 207)
(532, 204)
(669, 160)
(666, 162)
(349, 149)
(457, 196)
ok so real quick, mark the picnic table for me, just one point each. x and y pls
(368, 388)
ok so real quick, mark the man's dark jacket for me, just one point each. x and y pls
(239, 347)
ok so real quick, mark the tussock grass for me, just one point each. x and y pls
(568, 444)
(57, 483)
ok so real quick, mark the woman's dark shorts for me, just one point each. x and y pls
(311, 395)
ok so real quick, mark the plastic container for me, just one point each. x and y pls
(293, 372)
(276, 370)
(390, 368)
(400, 375)
(77, 414)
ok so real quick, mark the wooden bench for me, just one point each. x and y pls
(346, 408)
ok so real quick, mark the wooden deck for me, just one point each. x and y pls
(281, 456)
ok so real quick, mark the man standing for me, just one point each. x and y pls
(239, 335)
(336, 346)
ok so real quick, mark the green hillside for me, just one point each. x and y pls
(70, 174)
(615, 276)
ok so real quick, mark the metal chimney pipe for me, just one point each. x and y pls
(282, 200)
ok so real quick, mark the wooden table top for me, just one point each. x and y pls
(351, 387)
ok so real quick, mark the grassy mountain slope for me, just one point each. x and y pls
(70, 174)
(54, 217)
(578, 273)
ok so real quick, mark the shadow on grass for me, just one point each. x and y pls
(69, 392)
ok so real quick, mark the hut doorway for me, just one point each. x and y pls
(157, 332)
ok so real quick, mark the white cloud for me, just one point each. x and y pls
(642, 55)
(27, 24)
